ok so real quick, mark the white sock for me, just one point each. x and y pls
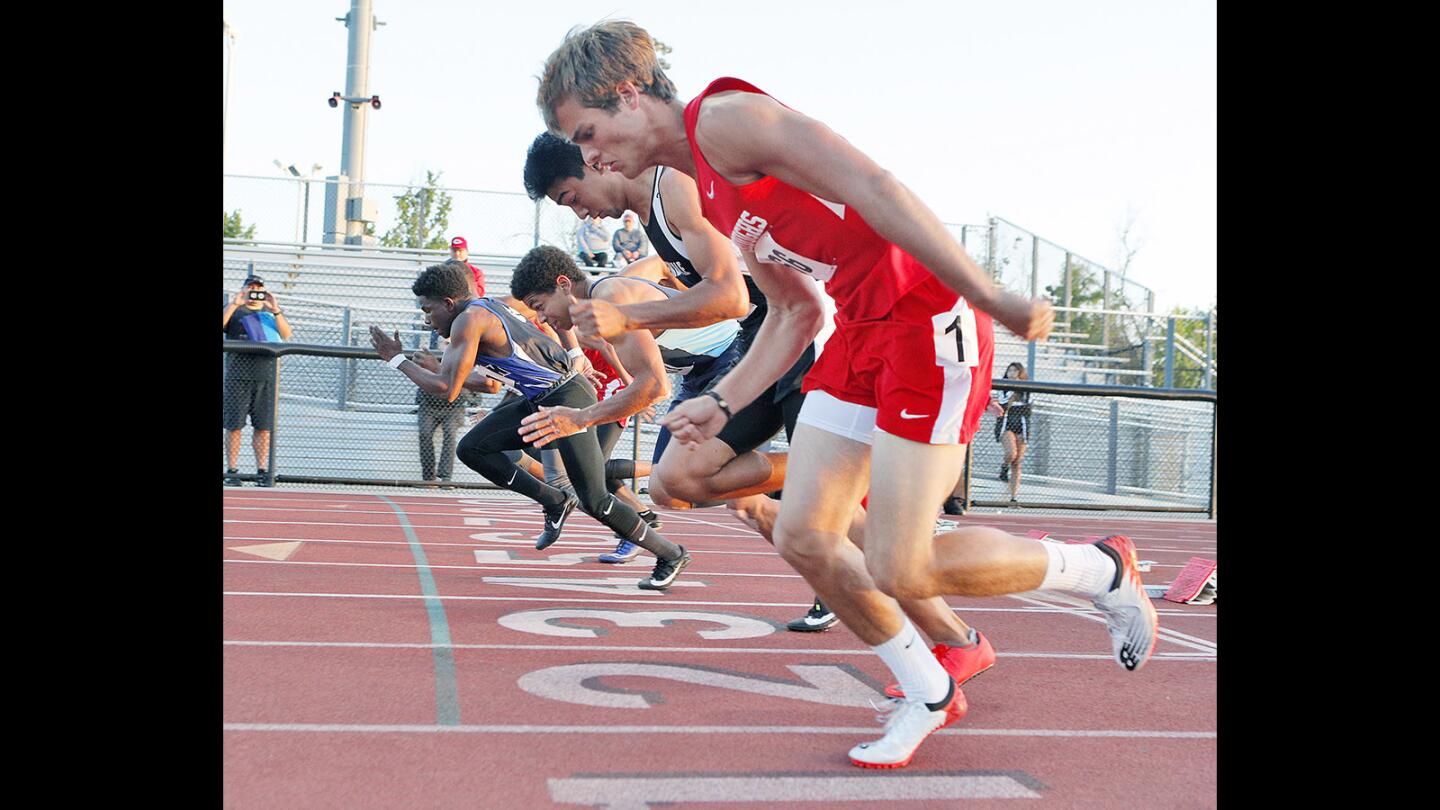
(1078, 568)
(920, 675)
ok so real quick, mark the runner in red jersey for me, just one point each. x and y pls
(891, 395)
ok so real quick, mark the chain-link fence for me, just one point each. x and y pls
(338, 415)
(1099, 447)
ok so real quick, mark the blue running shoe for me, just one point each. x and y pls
(623, 553)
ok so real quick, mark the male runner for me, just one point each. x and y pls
(488, 335)
(793, 195)
(727, 466)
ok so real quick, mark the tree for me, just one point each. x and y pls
(422, 217)
(1187, 372)
(661, 49)
(234, 229)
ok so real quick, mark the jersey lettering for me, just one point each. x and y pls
(767, 250)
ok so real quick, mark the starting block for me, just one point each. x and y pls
(1195, 585)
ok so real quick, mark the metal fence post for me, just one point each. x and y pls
(990, 260)
(1034, 266)
(345, 365)
(535, 242)
(1147, 355)
(1067, 284)
(1030, 361)
(635, 453)
(1105, 319)
(1209, 346)
(965, 477)
(275, 427)
(1170, 353)
(1114, 463)
(1214, 452)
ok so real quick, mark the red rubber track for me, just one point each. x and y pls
(336, 694)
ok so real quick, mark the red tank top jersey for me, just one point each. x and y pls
(781, 224)
(608, 373)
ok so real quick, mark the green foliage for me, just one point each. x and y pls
(661, 49)
(1188, 373)
(422, 217)
(234, 229)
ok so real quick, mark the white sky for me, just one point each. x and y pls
(1058, 116)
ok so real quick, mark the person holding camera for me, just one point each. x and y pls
(253, 314)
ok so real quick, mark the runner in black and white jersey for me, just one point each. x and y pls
(725, 468)
(488, 336)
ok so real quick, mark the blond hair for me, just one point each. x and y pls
(592, 62)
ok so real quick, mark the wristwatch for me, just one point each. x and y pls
(724, 406)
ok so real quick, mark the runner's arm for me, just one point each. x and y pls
(747, 134)
(720, 296)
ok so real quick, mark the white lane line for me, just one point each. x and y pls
(686, 650)
(577, 600)
(608, 569)
(474, 543)
(582, 529)
(644, 792)
(363, 728)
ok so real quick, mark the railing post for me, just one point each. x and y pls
(1030, 361)
(345, 365)
(535, 242)
(275, 415)
(1170, 353)
(1114, 461)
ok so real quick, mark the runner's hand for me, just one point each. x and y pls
(695, 420)
(597, 320)
(1029, 319)
(549, 424)
(426, 360)
(386, 345)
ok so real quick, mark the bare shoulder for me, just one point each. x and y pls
(623, 289)
(730, 126)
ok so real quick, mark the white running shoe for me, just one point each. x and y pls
(907, 725)
(1128, 612)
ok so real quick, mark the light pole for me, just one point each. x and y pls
(304, 228)
(225, 116)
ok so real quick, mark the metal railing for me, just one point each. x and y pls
(342, 417)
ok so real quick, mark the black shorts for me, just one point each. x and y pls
(249, 397)
(1016, 423)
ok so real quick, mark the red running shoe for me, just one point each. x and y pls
(963, 663)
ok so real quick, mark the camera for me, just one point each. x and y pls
(257, 295)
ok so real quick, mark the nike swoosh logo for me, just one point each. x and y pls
(904, 415)
(512, 478)
(608, 506)
(711, 192)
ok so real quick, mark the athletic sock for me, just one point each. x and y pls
(1077, 568)
(920, 675)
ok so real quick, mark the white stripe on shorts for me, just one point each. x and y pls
(958, 375)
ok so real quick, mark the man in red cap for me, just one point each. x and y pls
(460, 252)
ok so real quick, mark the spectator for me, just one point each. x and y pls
(253, 314)
(1012, 427)
(629, 242)
(436, 412)
(460, 252)
(593, 242)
